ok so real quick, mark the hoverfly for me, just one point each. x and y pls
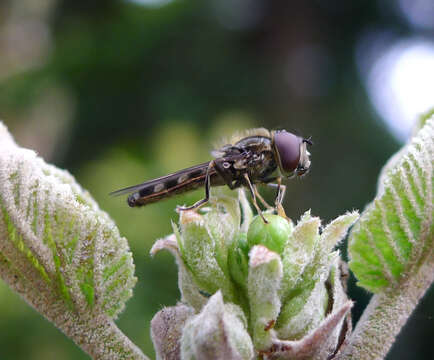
(257, 157)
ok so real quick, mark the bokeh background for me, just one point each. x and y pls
(121, 91)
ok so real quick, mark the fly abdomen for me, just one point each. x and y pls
(176, 183)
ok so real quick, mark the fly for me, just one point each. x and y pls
(258, 157)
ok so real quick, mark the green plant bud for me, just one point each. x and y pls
(272, 235)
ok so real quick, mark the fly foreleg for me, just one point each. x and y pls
(207, 191)
(252, 192)
(281, 189)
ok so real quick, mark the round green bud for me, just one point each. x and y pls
(272, 235)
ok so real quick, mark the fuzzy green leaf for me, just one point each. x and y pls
(395, 233)
(61, 253)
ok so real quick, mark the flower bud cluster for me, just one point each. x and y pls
(251, 288)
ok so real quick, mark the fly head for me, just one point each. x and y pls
(291, 153)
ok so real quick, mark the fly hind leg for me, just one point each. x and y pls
(203, 201)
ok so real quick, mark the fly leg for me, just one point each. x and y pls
(261, 199)
(207, 191)
(258, 195)
(252, 191)
(281, 189)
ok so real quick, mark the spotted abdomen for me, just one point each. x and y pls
(166, 186)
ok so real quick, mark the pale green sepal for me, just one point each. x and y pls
(166, 331)
(223, 222)
(190, 293)
(318, 269)
(294, 322)
(246, 210)
(338, 298)
(265, 275)
(336, 230)
(314, 345)
(218, 332)
(299, 252)
(238, 261)
(332, 235)
(305, 304)
(199, 247)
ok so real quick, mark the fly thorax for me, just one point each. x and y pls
(240, 164)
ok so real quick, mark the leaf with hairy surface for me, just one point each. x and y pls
(391, 248)
(61, 253)
(395, 233)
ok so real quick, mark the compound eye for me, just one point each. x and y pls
(288, 148)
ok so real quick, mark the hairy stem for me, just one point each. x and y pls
(385, 315)
(96, 334)
(116, 344)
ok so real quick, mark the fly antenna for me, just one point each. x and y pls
(308, 141)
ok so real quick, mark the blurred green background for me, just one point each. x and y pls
(119, 92)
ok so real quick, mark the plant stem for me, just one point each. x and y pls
(385, 315)
(104, 340)
(96, 334)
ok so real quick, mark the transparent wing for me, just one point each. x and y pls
(162, 179)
